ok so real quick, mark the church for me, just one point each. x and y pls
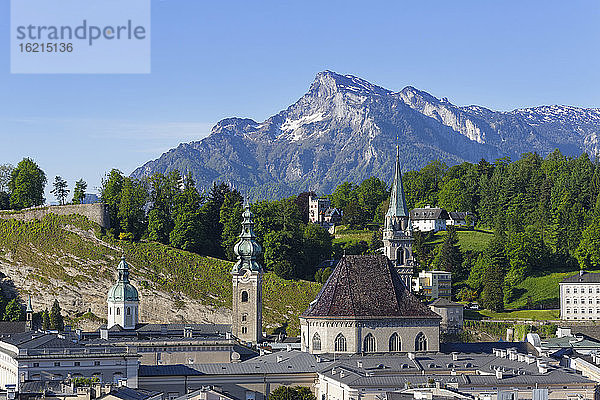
(366, 305)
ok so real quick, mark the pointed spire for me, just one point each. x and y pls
(29, 306)
(247, 248)
(397, 206)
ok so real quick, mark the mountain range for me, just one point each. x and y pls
(346, 129)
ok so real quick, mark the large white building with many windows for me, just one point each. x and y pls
(580, 297)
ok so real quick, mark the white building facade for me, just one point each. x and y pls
(580, 297)
(434, 284)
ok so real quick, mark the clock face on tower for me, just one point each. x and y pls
(246, 275)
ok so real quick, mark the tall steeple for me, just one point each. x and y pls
(246, 278)
(397, 206)
(397, 231)
(247, 248)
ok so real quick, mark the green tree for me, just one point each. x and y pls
(454, 196)
(343, 195)
(110, 194)
(131, 214)
(60, 190)
(4, 201)
(79, 191)
(188, 233)
(281, 254)
(45, 320)
(13, 311)
(316, 247)
(5, 176)
(56, 318)
(588, 251)
(493, 279)
(370, 194)
(27, 185)
(449, 257)
(163, 191)
(291, 393)
(231, 219)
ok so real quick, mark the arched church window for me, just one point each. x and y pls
(244, 317)
(421, 342)
(400, 256)
(395, 342)
(128, 310)
(118, 311)
(109, 311)
(340, 343)
(369, 345)
(244, 296)
(316, 342)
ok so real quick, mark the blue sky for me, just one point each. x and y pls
(215, 59)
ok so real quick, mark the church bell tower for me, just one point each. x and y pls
(247, 284)
(397, 231)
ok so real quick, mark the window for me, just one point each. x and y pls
(590, 291)
(340, 343)
(400, 256)
(57, 363)
(36, 365)
(574, 311)
(244, 296)
(77, 363)
(598, 290)
(568, 311)
(244, 317)
(244, 329)
(597, 301)
(118, 311)
(568, 291)
(395, 342)
(369, 345)
(421, 342)
(574, 290)
(96, 363)
(568, 301)
(316, 341)
(109, 311)
(591, 310)
(128, 310)
(574, 301)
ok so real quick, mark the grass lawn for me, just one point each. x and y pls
(343, 234)
(475, 240)
(532, 315)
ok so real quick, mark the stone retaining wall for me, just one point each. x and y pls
(97, 212)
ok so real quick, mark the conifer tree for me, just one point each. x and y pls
(493, 279)
(56, 318)
(45, 320)
(79, 191)
(60, 190)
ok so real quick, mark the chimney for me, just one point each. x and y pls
(359, 363)
(580, 272)
(454, 356)
(499, 373)
(542, 368)
(279, 359)
(288, 347)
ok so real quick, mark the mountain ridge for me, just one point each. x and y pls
(345, 128)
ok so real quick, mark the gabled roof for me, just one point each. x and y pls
(366, 287)
(459, 215)
(428, 213)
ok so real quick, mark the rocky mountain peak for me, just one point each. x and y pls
(328, 83)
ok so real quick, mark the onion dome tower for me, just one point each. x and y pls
(123, 300)
(247, 284)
